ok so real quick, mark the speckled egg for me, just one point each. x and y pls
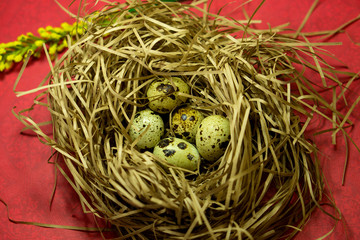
(142, 120)
(185, 122)
(178, 152)
(164, 97)
(212, 137)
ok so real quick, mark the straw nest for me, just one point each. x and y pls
(267, 182)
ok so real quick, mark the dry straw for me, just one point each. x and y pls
(268, 181)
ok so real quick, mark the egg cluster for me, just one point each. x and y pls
(191, 137)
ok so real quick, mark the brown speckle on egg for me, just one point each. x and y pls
(182, 145)
(165, 142)
(186, 134)
(165, 88)
(169, 152)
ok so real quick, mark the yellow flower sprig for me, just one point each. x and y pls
(54, 38)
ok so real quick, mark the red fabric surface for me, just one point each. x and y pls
(27, 180)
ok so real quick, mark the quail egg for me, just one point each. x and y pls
(164, 97)
(155, 131)
(212, 137)
(178, 152)
(185, 122)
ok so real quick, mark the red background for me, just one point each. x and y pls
(26, 179)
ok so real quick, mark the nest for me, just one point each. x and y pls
(267, 182)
